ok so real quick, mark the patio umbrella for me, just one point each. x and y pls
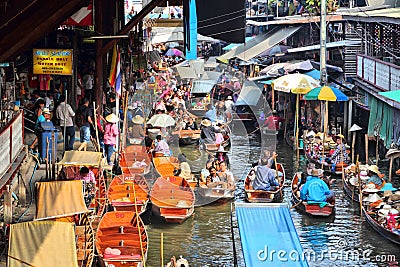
(297, 84)
(174, 52)
(161, 120)
(276, 49)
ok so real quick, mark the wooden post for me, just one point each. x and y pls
(377, 150)
(162, 249)
(296, 143)
(353, 146)
(285, 117)
(359, 186)
(96, 126)
(390, 169)
(273, 99)
(21, 188)
(366, 148)
(8, 205)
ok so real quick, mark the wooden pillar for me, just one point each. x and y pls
(377, 150)
(8, 209)
(21, 190)
(366, 148)
(390, 169)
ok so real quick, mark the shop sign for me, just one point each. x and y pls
(52, 61)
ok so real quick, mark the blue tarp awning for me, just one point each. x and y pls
(202, 86)
(264, 227)
(249, 95)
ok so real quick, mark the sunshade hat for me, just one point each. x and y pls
(392, 153)
(364, 175)
(138, 119)
(46, 111)
(388, 187)
(374, 169)
(112, 118)
(310, 167)
(206, 122)
(341, 136)
(370, 188)
(353, 181)
(387, 193)
(317, 172)
(372, 198)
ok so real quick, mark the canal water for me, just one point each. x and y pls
(206, 238)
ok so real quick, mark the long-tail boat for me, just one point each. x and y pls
(121, 239)
(261, 196)
(165, 166)
(312, 209)
(172, 198)
(129, 193)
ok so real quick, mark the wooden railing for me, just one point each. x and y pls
(383, 75)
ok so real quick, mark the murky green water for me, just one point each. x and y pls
(206, 239)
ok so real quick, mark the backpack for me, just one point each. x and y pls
(79, 117)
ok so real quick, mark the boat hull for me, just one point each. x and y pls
(395, 238)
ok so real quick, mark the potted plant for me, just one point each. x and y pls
(314, 6)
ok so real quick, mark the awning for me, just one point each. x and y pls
(186, 72)
(392, 95)
(59, 199)
(43, 243)
(267, 227)
(211, 75)
(270, 41)
(231, 46)
(328, 45)
(202, 86)
(173, 34)
(81, 158)
(197, 65)
(239, 49)
(249, 95)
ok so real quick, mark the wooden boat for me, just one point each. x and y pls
(309, 209)
(135, 159)
(129, 193)
(206, 195)
(350, 190)
(386, 233)
(121, 239)
(187, 137)
(165, 166)
(261, 196)
(172, 198)
(214, 147)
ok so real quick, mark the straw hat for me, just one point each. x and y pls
(138, 119)
(354, 181)
(221, 150)
(374, 169)
(387, 187)
(206, 122)
(372, 198)
(317, 172)
(112, 118)
(341, 136)
(46, 111)
(387, 193)
(370, 188)
(392, 153)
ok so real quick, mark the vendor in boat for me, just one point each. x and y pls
(273, 121)
(89, 184)
(265, 177)
(226, 175)
(137, 128)
(207, 132)
(222, 156)
(316, 189)
(191, 124)
(162, 146)
(340, 153)
(205, 172)
(184, 167)
(375, 177)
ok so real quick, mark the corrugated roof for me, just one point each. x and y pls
(328, 45)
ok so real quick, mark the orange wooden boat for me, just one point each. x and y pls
(187, 137)
(309, 209)
(165, 166)
(261, 196)
(129, 193)
(172, 198)
(121, 239)
(135, 159)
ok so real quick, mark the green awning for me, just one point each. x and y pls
(380, 120)
(392, 95)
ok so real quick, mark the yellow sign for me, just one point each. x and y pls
(52, 61)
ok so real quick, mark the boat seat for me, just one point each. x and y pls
(173, 211)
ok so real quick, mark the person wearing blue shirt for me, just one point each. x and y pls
(211, 113)
(315, 189)
(265, 177)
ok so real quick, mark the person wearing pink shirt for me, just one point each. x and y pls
(89, 184)
(110, 135)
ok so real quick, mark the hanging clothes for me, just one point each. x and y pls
(44, 82)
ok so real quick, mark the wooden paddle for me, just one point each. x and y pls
(295, 205)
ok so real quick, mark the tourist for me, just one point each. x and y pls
(265, 177)
(205, 172)
(65, 114)
(44, 116)
(339, 155)
(83, 117)
(191, 124)
(89, 184)
(316, 189)
(184, 167)
(222, 156)
(226, 176)
(110, 135)
(162, 146)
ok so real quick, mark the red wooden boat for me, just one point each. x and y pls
(172, 198)
(129, 193)
(262, 196)
(121, 239)
(304, 207)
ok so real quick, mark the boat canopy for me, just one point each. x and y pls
(249, 95)
(266, 228)
(202, 86)
(42, 243)
(59, 199)
(81, 158)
